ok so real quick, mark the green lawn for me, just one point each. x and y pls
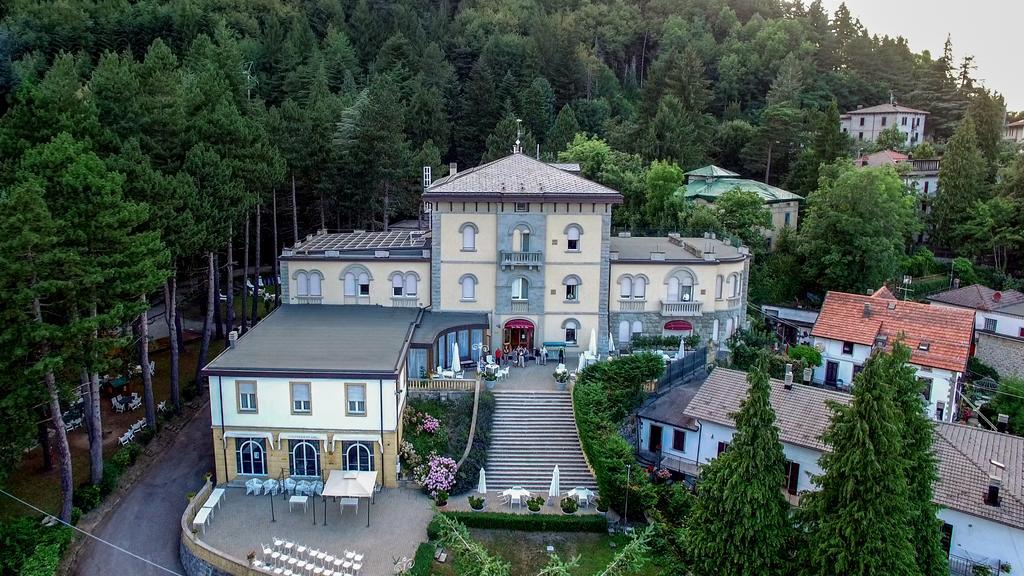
(526, 551)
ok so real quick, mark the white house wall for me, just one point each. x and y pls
(690, 444)
(273, 401)
(711, 434)
(982, 540)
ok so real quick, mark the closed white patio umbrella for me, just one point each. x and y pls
(682, 348)
(553, 490)
(592, 347)
(611, 342)
(456, 363)
(481, 487)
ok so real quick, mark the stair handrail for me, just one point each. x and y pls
(472, 424)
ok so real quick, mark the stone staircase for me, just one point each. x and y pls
(532, 432)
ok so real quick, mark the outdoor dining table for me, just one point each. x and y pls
(491, 368)
(516, 495)
(584, 494)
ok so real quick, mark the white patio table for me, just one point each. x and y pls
(583, 495)
(516, 494)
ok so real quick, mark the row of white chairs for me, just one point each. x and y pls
(286, 555)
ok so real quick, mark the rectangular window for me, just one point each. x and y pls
(570, 336)
(722, 447)
(884, 119)
(355, 399)
(571, 292)
(990, 324)
(786, 218)
(860, 135)
(904, 121)
(522, 206)
(301, 399)
(857, 369)
(679, 440)
(246, 396)
(789, 483)
(862, 121)
(1021, 333)
(847, 347)
(926, 387)
(926, 184)
(396, 286)
(940, 409)
(364, 289)
(573, 245)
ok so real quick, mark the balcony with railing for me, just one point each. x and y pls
(517, 259)
(520, 306)
(405, 301)
(309, 299)
(680, 308)
(629, 305)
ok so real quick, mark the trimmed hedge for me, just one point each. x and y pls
(423, 559)
(524, 522)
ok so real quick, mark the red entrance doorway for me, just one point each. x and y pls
(518, 333)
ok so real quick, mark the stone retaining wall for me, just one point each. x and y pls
(1004, 353)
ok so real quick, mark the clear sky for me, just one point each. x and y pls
(991, 30)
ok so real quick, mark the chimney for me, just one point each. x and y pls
(232, 338)
(1002, 421)
(808, 374)
(453, 168)
(867, 310)
(787, 381)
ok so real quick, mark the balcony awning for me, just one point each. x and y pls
(678, 325)
(518, 323)
(268, 436)
(300, 436)
(352, 437)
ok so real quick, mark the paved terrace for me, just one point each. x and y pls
(535, 376)
(398, 523)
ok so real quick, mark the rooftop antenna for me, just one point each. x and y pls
(518, 148)
(905, 288)
(250, 79)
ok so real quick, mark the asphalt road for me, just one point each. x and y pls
(147, 520)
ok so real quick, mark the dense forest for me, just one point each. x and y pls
(148, 148)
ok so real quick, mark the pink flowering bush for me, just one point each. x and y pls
(438, 474)
(429, 424)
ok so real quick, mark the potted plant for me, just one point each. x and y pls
(489, 379)
(602, 506)
(441, 498)
(561, 378)
(569, 506)
(476, 503)
(534, 504)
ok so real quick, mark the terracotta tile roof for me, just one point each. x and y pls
(518, 176)
(945, 332)
(978, 297)
(884, 292)
(800, 413)
(963, 452)
(882, 158)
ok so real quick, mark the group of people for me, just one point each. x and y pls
(519, 355)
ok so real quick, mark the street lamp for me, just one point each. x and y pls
(271, 498)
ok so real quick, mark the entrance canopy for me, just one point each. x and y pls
(681, 325)
(518, 323)
(350, 484)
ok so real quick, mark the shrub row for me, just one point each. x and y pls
(31, 549)
(523, 522)
(423, 559)
(88, 497)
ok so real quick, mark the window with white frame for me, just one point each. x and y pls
(251, 456)
(522, 207)
(520, 289)
(637, 329)
(719, 280)
(680, 286)
(625, 288)
(572, 288)
(632, 287)
(364, 284)
(304, 458)
(358, 456)
(247, 396)
(572, 238)
(301, 398)
(357, 281)
(571, 328)
(468, 283)
(411, 284)
(639, 288)
(355, 399)
(469, 232)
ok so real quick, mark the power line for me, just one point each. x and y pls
(97, 538)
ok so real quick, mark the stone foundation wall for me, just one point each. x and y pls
(654, 322)
(1004, 353)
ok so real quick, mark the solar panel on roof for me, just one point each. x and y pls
(364, 240)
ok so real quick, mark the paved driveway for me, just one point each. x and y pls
(147, 521)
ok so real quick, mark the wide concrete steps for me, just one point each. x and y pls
(532, 432)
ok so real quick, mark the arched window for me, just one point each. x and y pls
(571, 328)
(469, 231)
(315, 284)
(680, 285)
(718, 287)
(734, 285)
(624, 332)
(397, 284)
(304, 458)
(639, 288)
(251, 457)
(301, 283)
(520, 289)
(714, 329)
(468, 283)
(358, 456)
(638, 329)
(572, 237)
(357, 280)
(521, 238)
(572, 288)
(411, 281)
(625, 288)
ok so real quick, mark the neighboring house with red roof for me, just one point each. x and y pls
(865, 124)
(851, 326)
(998, 324)
(979, 529)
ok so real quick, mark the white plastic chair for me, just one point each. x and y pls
(253, 486)
(126, 438)
(288, 485)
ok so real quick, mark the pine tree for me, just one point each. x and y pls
(503, 138)
(859, 522)
(563, 131)
(988, 113)
(963, 174)
(919, 457)
(829, 141)
(536, 106)
(740, 524)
